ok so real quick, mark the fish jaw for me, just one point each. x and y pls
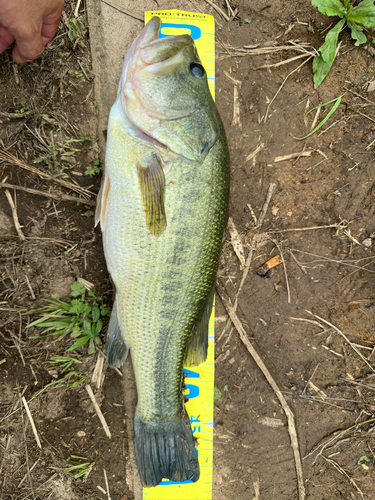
(162, 98)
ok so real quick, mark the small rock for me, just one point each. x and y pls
(81, 433)
(367, 242)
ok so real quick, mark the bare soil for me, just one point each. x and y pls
(327, 384)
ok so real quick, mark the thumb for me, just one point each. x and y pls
(28, 47)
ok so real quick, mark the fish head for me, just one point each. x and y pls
(165, 95)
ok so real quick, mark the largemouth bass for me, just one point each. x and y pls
(163, 208)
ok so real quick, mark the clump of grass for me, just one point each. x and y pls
(81, 319)
(354, 17)
(78, 470)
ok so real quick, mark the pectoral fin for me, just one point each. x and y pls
(101, 203)
(196, 352)
(152, 184)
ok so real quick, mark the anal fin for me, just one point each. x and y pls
(152, 184)
(117, 350)
(196, 352)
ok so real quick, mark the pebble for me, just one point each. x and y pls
(367, 242)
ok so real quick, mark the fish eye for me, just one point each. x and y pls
(197, 70)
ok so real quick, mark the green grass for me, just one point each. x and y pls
(81, 318)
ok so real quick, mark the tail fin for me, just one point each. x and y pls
(165, 450)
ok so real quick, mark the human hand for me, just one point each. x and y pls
(31, 24)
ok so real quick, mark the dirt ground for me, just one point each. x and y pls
(317, 340)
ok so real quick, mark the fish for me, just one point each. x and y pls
(163, 209)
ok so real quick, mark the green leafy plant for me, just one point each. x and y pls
(77, 31)
(354, 17)
(94, 169)
(363, 459)
(81, 318)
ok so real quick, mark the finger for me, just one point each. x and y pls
(49, 27)
(28, 48)
(6, 39)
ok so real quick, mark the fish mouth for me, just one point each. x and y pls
(157, 56)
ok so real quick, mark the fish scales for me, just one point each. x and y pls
(162, 293)
(164, 271)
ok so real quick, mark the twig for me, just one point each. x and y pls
(290, 417)
(31, 421)
(29, 286)
(15, 116)
(14, 215)
(236, 242)
(372, 388)
(342, 262)
(371, 119)
(59, 197)
(26, 451)
(281, 86)
(13, 160)
(254, 153)
(27, 473)
(307, 383)
(291, 59)
(284, 266)
(271, 189)
(106, 484)
(292, 155)
(221, 12)
(345, 337)
(77, 8)
(359, 95)
(124, 11)
(296, 261)
(337, 226)
(315, 118)
(17, 344)
(342, 471)
(98, 411)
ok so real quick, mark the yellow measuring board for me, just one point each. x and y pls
(199, 380)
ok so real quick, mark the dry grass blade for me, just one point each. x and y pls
(292, 155)
(221, 12)
(106, 484)
(342, 471)
(59, 197)
(290, 417)
(254, 153)
(13, 160)
(15, 215)
(236, 242)
(31, 421)
(281, 86)
(98, 411)
(27, 453)
(345, 337)
(287, 61)
(255, 51)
